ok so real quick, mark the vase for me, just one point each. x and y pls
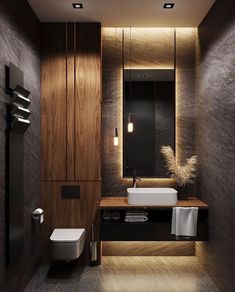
(183, 192)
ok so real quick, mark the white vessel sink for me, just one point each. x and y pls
(152, 196)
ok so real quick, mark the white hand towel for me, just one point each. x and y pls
(184, 221)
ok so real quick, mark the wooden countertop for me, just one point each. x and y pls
(121, 203)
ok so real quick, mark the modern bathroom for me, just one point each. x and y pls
(117, 152)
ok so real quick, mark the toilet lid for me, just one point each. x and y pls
(67, 234)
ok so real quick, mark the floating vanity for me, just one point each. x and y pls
(156, 228)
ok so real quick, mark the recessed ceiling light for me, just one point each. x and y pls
(168, 5)
(77, 5)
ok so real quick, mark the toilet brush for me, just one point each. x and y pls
(93, 245)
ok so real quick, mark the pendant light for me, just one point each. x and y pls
(115, 138)
(130, 125)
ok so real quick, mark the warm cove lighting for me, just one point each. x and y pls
(115, 138)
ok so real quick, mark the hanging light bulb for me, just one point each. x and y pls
(130, 126)
(115, 138)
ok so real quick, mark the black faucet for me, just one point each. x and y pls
(135, 178)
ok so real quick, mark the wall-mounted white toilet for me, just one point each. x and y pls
(67, 243)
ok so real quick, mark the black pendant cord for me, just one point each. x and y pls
(115, 75)
(123, 65)
(115, 86)
(130, 97)
(115, 67)
(175, 92)
(130, 90)
(175, 52)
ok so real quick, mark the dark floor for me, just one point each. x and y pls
(124, 274)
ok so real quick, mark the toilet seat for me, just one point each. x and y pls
(66, 234)
(67, 243)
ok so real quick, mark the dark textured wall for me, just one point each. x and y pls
(152, 48)
(215, 143)
(164, 124)
(19, 43)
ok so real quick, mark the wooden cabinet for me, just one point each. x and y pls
(71, 102)
(53, 103)
(87, 102)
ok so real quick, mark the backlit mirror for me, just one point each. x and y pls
(148, 120)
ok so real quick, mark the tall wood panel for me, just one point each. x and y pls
(70, 54)
(88, 101)
(71, 102)
(71, 126)
(53, 103)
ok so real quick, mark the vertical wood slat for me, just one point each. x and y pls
(88, 101)
(70, 166)
(53, 103)
(71, 102)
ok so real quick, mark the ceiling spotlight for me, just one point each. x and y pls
(168, 5)
(77, 5)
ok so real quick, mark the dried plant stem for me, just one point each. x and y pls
(183, 174)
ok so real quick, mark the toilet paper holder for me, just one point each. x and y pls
(38, 215)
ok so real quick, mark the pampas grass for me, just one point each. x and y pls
(183, 174)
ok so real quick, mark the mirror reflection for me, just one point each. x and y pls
(148, 120)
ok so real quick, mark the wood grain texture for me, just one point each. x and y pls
(88, 101)
(90, 198)
(53, 102)
(148, 248)
(71, 102)
(121, 202)
(68, 213)
(71, 111)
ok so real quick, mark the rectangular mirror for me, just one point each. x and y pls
(148, 120)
